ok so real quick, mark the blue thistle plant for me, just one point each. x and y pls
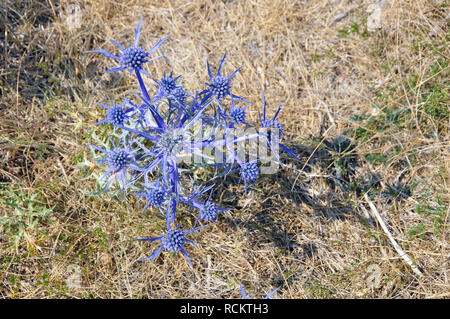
(250, 170)
(237, 115)
(166, 133)
(156, 197)
(208, 211)
(179, 95)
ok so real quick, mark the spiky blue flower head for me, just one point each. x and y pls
(250, 171)
(156, 197)
(273, 123)
(165, 86)
(156, 194)
(238, 114)
(119, 160)
(209, 212)
(270, 123)
(132, 57)
(168, 83)
(220, 86)
(117, 114)
(173, 241)
(179, 95)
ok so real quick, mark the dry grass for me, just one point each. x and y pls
(366, 111)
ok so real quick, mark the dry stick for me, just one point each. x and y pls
(394, 243)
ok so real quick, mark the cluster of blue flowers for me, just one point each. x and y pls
(158, 131)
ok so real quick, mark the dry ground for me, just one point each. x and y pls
(366, 110)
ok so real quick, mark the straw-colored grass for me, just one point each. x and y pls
(366, 111)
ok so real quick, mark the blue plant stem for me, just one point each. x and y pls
(148, 100)
(222, 142)
(174, 182)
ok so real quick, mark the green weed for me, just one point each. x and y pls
(24, 215)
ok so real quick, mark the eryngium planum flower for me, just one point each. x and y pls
(117, 114)
(220, 86)
(132, 57)
(173, 241)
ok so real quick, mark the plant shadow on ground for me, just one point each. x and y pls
(340, 166)
(24, 56)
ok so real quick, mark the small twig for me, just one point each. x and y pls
(394, 243)
(342, 15)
